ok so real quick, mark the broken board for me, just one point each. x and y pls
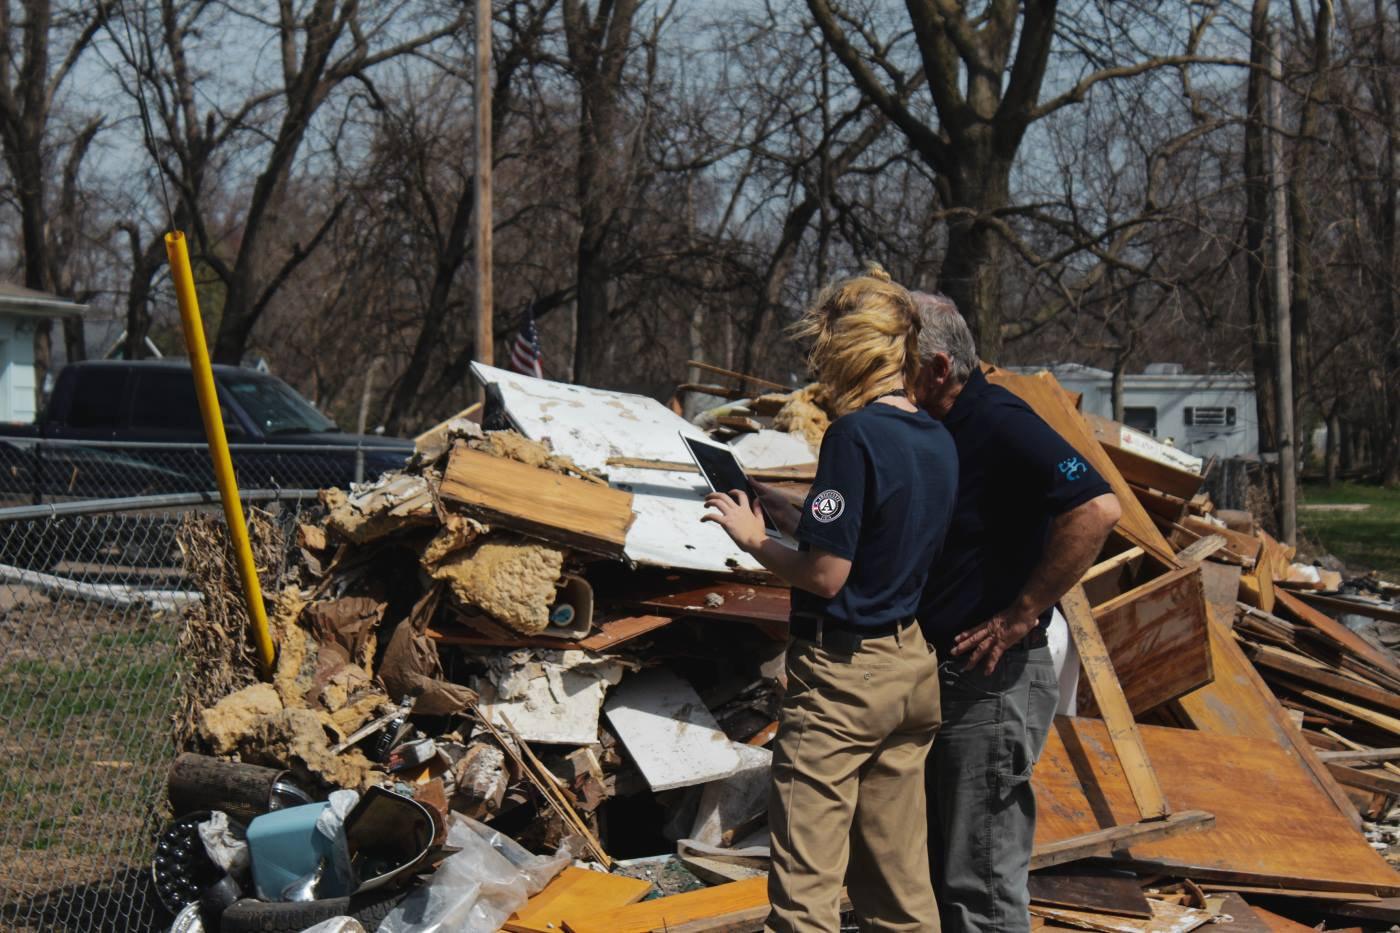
(574, 891)
(1293, 608)
(1272, 825)
(1166, 918)
(1156, 636)
(1100, 890)
(559, 509)
(1238, 702)
(668, 732)
(591, 426)
(665, 913)
(1050, 401)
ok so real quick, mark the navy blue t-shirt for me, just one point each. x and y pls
(1015, 476)
(882, 498)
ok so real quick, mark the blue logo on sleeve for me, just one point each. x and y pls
(1073, 468)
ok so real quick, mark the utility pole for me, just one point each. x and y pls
(1283, 313)
(485, 303)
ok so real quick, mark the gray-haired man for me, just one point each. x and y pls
(1030, 517)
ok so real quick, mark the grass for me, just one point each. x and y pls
(1368, 540)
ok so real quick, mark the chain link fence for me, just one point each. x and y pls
(91, 596)
(35, 471)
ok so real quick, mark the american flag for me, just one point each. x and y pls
(525, 354)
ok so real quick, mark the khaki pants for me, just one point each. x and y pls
(848, 800)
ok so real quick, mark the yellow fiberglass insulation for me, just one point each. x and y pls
(805, 413)
(508, 578)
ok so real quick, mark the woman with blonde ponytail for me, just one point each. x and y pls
(861, 706)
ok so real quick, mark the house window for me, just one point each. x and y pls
(1141, 419)
(1210, 416)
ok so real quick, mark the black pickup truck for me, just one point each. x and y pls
(116, 429)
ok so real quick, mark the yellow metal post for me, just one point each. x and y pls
(218, 443)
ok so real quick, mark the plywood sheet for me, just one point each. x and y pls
(1101, 891)
(1270, 821)
(669, 912)
(572, 892)
(668, 732)
(1238, 702)
(561, 509)
(1157, 639)
(1050, 401)
(590, 426)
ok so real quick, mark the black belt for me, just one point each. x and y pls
(841, 636)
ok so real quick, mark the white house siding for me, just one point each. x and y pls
(1170, 396)
(16, 369)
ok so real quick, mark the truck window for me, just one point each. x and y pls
(274, 405)
(165, 400)
(98, 399)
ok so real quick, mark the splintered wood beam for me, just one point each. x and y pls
(1106, 842)
(1112, 563)
(1113, 705)
(1200, 549)
(741, 377)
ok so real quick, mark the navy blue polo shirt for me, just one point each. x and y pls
(882, 498)
(1015, 476)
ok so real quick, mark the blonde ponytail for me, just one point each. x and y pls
(865, 333)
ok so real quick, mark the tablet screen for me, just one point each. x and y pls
(722, 472)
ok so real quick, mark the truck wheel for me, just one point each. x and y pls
(254, 916)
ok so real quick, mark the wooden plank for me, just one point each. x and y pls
(1246, 546)
(1157, 639)
(1112, 563)
(1278, 659)
(669, 912)
(1380, 720)
(689, 595)
(1050, 401)
(1386, 910)
(1377, 782)
(485, 633)
(1200, 549)
(1113, 706)
(1113, 840)
(1294, 609)
(743, 920)
(1238, 703)
(1090, 889)
(575, 889)
(1369, 754)
(1166, 918)
(803, 473)
(1353, 606)
(1281, 832)
(557, 508)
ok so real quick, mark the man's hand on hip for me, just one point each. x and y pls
(990, 640)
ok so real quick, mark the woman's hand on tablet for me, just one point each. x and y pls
(739, 517)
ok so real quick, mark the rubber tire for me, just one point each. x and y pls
(254, 916)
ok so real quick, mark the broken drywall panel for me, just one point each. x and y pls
(730, 807)
(592, 425)
(548, 696)
(668, 732)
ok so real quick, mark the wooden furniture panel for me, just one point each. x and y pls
(1271, 826)
(1157, 638)
(1238, 702)
(557, 508)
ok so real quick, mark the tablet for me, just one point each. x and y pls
(722, 473)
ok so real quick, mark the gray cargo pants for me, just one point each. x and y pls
(981, 808)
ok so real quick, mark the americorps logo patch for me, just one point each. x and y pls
(828, 506)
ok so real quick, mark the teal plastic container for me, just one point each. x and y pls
(284, 847)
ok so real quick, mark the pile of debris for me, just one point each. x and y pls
(527, 640)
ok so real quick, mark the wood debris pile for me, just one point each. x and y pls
(581, 661)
